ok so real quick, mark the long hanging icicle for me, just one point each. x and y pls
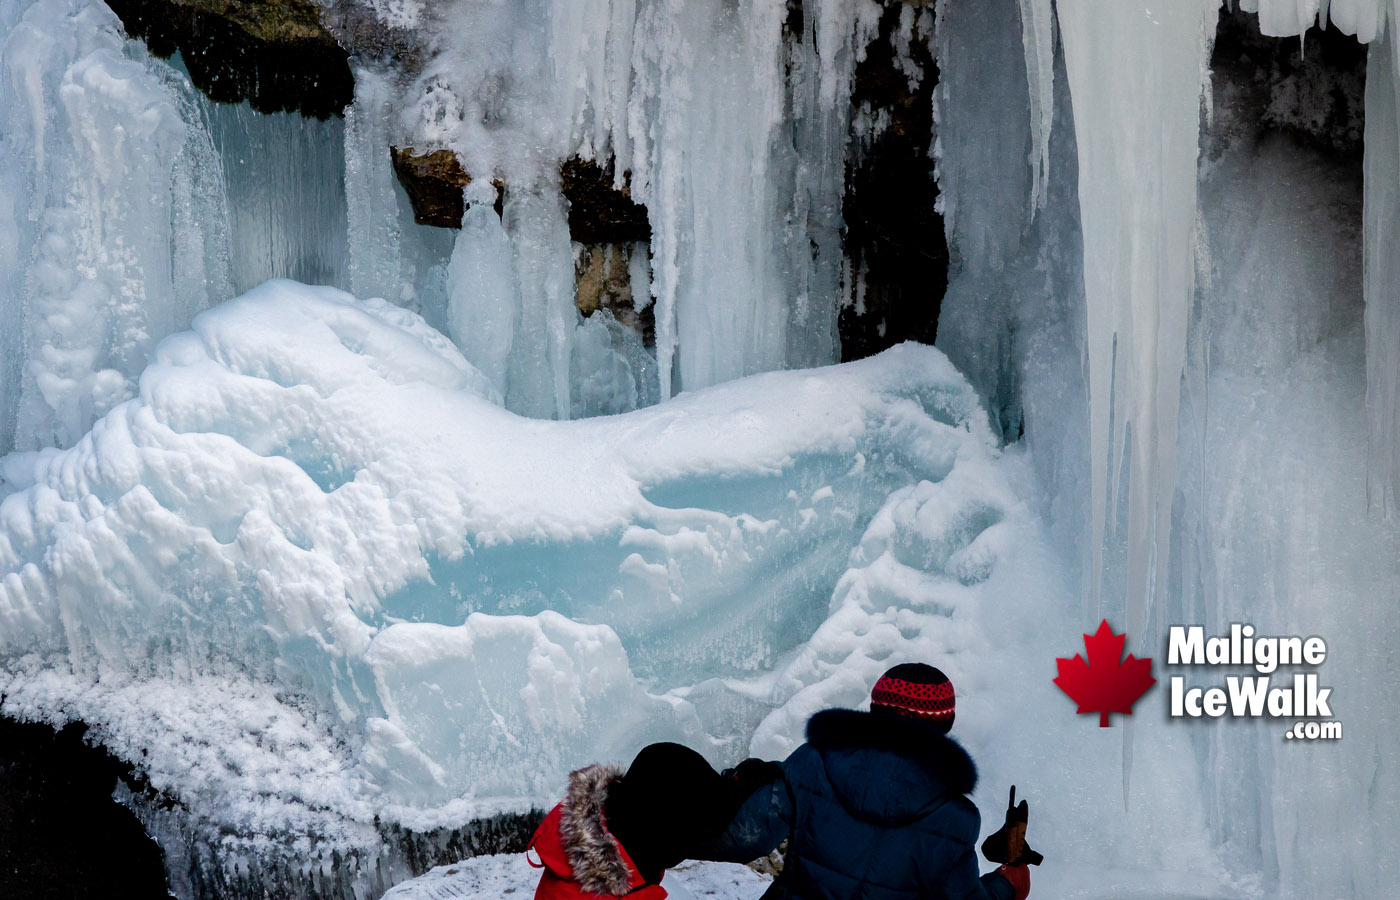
(1038, 38)
(1135, 75)
(1381, 278)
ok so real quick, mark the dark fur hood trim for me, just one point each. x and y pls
(594, 854)
(939, 754)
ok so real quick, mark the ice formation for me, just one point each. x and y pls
(1135, 130)
(731, 136)
(1382, 216)
(325, 559)
(316, 569)
(92, 276)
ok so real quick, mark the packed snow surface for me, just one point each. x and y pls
(500, 877)
(496, 877)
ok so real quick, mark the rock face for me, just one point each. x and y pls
(61, 832)
(1312, 90)
(604, 281)
(607, 226)
(599, 212)
(275, 54)
(894, 237)
(434, 183)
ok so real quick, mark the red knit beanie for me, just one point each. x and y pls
(916, 690)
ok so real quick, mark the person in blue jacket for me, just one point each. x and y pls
(874, 805)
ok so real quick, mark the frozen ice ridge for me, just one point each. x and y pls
(317, 584)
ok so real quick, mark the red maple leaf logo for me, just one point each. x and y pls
(1103, 684)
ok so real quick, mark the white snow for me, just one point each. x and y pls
(496, 877)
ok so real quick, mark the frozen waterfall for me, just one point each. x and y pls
(354, 534)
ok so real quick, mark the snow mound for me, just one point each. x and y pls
(315, 562)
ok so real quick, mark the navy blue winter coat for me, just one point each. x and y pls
(875, 808)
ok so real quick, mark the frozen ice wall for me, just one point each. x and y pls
(1249, 328)
(113, 228)
(285, 178)
(1382, 281)
(132, 203)
(1276, 395)
(726, 121)
(1013, 317)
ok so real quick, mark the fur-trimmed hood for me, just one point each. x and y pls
(888, 768)
(574, 843)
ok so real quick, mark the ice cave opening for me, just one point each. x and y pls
(404, 403)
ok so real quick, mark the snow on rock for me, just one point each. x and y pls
(314, 573)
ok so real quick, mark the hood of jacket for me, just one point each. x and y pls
(574, 842)
(889, 769)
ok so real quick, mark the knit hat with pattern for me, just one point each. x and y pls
(916, 690)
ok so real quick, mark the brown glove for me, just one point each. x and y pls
(1008, 845)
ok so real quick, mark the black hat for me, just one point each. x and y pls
(669, 802)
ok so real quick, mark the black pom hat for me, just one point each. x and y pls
(918, 691)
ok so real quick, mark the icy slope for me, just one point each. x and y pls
(313, 573)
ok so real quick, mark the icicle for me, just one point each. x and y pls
(1363, 18)
(1135, 75)
(114, 236)
(1381, 234)
(538, 382)
(483, 299)
(287, 200)
(1283, 18)
(372, 208)
(1038, 37)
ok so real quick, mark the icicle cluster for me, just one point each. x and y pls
(113, 228)
(724, 121)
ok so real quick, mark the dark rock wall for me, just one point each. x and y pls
(894, 236)
(61, 833)
(273, 53)
(1312, 89)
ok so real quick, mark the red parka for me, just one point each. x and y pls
(581, 859)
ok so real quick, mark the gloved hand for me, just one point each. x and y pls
(1008, 845)
(751, 774)
(1020, 878)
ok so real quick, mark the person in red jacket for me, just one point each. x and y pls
(615, 834)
